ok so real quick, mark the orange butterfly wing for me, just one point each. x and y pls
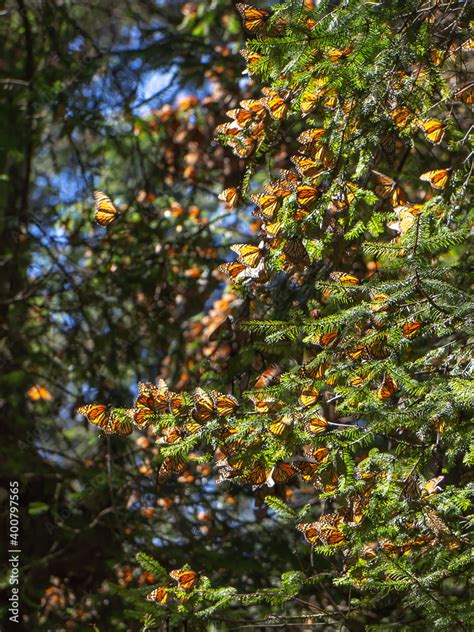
(438, 178)
(96, 414)
(253, 19)
(186, 579)
(388, 388)
(105, 211)
(317, 425)
(434, 130)
(159, 595)
(203, 410)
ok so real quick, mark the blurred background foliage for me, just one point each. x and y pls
(122, 97)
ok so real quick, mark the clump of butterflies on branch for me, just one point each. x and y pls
(316, 213)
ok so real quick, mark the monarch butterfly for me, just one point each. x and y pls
(273, 229)
(412, 328)
(465, 95)
(240, 115)
(358, 506)
(387, 189)
(311, 135)
(295, 252)
(378, 349)
(236, 461)
(308, 396)
(203, 410)
(405, 220)
(438, 178)
(172, 435)
(390, 546)
(175, 403)
(242, 146)
(151, 400)
(159, 595)
(267, 205)
(257, 476)
(279, 426)
(229, 196)
(320, 455)
(39, 393)
(306, 195)
(344, 278)
(233, 269)
(436, 56)
(309, 100)
(321, 153)
(154, 397)
(326, 339)
(251, 58)
(193, 427)
(171, 465)
(434, 130)
(253, 19)
(330, 100)
(384, 185)
(105, 211)
(313, 372)
(108, 421)
(306, 167)
(228, 129)
(357, 352)
(265, 405)
(186, 578)
(307, 470)
(317, 425)
(379, 301)
(269, 376)
(409, 209)
(279, 188)
(357, 381)
(388, 388)
(255, 106)
(282, 473)
(226, 473)
(120, 425)
(225, 432)
(274, 104)
(224, 404)
(338, 54)
(331, 535)
(328, 481)
(401, 116)
(314, 91)
(96, 414)
(248, 254)
(310, 530)
(287, 178)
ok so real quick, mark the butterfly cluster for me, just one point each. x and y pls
(185, 578)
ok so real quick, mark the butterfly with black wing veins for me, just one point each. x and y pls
(109, 420)
(105, 211)
(253, 19)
